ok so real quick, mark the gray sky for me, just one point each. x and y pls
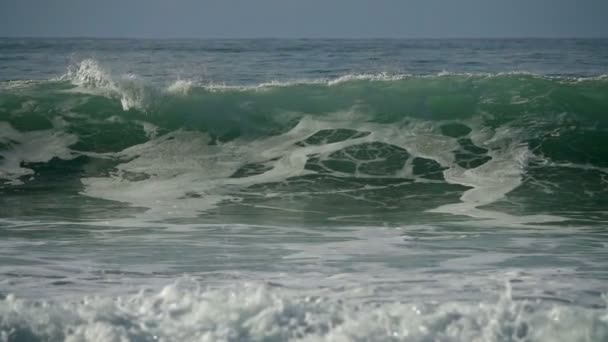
(304, 18)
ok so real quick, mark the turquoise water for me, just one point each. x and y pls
(338, 190)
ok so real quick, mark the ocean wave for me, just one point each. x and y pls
(467, 141)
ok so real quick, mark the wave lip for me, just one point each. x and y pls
(90, 77)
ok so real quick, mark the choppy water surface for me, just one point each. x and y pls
(303, 190)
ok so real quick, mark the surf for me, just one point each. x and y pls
(259, 312)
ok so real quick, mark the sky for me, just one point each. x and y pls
(304, 18)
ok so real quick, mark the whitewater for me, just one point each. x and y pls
(303, 190)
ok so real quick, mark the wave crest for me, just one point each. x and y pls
(90, 76)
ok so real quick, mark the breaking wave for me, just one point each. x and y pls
(502, 146)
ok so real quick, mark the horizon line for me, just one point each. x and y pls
(306, 38)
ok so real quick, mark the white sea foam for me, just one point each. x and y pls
(255, 312)
(494, 179)
(31, 147)
(182, 174)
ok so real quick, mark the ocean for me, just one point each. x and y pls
(303, 190)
